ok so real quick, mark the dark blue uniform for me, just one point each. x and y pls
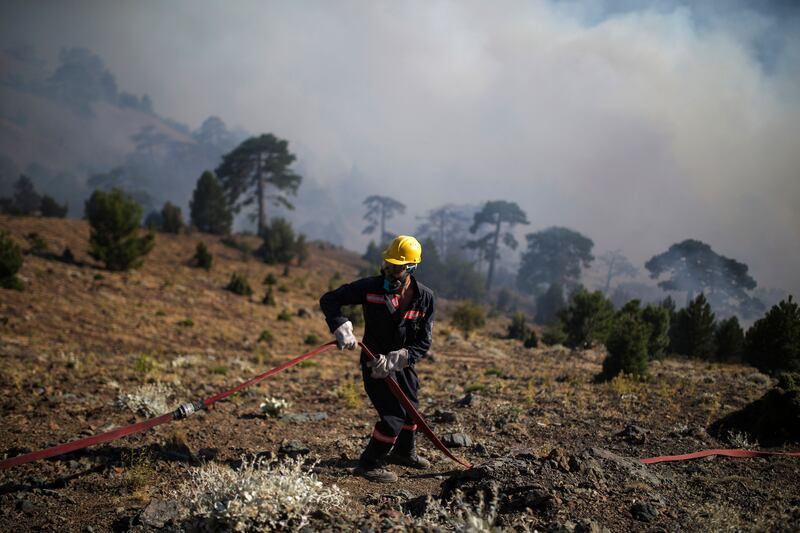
(387, 328)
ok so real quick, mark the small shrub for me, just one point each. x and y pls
(114, 219)
(286, 271)
(285, 315)
(335, 281)
(467, 317)
(588, 318)
(266, 336)
(202, 257)
(518, 329)
(280, 244)
(274, 406)
(186, 323)
(532, 341)
(772, 344)
(270, 280)
(10, 263)
(354, 313)
(554, 335)
(269, 298)
(349, 392)
(38, 245)
(171, 218)
(218, 369)
(312, 339)
(258, 496)
(283, 288)
(307, 364)
(239, 285)
(98, 277)
(627, 345)
(494, 371)
(151, 399)
(729, 340)
(67, 256)
(144, 363)
(474, 387)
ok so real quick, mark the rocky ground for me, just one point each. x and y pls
(552, 449)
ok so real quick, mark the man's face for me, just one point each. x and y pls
(394, 272)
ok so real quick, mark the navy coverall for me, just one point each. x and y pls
(387, 328)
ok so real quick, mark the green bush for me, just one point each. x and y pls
(729, 340)
(171, 218)
(38, 245)
(518, 329)
(354, 314)
(269, 298)
(627, 344)
(587, 319)
(693, 331)
(532, 341)
(312, 339)
(270, 279)
(266, 336)
(114, 219)
(772, 344)
(202, 257)
(50, 208)
(467, 317)
(67, 256)
(658, 317)
(280, 244)
(285, 315)
(554, 334)
(10, 263)
(239, 285)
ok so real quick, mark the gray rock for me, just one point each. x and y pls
(644, 511)
(26, 506)
(444, 417)
(158, 513)
(293, 448)
(304, 417)
(632, 466)
(633, 434)
(469, 400)
(303, 312)
(589, 526)
(457, 440)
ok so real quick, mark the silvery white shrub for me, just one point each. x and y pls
(151, 399)
(274, 406)
(261, 495)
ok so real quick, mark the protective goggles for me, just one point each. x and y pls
(391, 268)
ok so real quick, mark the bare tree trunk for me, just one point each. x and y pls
(610, 275)
(493, 255)
(262, 208)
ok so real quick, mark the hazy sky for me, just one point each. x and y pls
(639, 124)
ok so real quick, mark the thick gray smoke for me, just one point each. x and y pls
(637, 124)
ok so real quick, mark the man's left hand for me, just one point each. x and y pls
(391, 362)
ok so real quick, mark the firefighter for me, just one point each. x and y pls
(398, 321)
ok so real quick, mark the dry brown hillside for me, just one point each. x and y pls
(552, 449)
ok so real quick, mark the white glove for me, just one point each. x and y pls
(345, 337)
(386, 364)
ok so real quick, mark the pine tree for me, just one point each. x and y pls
(208, 209)
(114, 218)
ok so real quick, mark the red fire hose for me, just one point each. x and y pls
(188, 408)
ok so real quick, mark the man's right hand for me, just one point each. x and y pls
(344, 336)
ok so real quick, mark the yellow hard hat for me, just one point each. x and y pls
(403, 249)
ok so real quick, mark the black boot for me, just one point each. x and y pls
(405, 452)
(370, 464)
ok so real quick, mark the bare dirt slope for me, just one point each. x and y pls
(552, 449)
